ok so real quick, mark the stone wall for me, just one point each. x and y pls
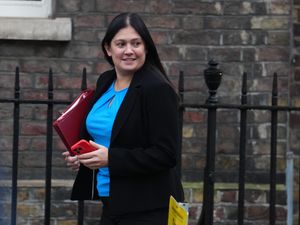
(242, 36)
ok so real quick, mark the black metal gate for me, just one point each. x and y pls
(213, 79)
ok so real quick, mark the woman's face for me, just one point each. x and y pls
(127, 50)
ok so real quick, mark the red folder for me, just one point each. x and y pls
(68, 125)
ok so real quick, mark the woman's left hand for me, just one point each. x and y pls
(95, 159)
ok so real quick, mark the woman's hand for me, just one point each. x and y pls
(72, 161)
(95, 159)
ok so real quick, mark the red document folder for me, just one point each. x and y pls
(68, 125)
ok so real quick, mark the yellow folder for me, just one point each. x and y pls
(178, 213)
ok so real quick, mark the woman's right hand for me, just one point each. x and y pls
(72, 161)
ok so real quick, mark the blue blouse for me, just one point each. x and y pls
(99, 125)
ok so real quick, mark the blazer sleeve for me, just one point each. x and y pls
(161, 107)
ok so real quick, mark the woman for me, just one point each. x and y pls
(133, 123)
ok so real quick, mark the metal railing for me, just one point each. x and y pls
(213, 78)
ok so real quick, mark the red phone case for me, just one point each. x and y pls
(82, 147)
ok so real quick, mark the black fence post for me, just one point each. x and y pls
(274, 120)
(49, 149)
(15, 151)
(80, 209)
(181, 111)
(242, 162)
(213, 78)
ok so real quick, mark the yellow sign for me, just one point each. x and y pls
(178, 213)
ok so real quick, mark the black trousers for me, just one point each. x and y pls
(151, 217)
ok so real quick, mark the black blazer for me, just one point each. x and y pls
(144, 146)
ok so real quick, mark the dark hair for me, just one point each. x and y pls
(132, 19)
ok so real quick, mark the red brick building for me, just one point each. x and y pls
(259, 37)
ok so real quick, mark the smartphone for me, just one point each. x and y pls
(82, 147)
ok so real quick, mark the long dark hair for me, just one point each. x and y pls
(132, 19)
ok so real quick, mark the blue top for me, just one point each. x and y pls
(99, 125)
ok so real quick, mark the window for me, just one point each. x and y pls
(38, 25)
(26, 8)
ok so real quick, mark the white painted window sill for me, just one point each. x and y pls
(58, 29)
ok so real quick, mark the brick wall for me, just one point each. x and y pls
(64, 212)
(243, 36)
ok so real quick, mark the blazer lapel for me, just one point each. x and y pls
(127, 104)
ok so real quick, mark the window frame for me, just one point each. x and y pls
(27, 9)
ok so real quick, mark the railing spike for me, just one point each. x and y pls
(244, 89)
(181, 86)
(83, 82)
(275, 84)
(275, 90)
(50, 80)
(17, 82)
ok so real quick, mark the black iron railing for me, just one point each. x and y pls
(213, 78)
